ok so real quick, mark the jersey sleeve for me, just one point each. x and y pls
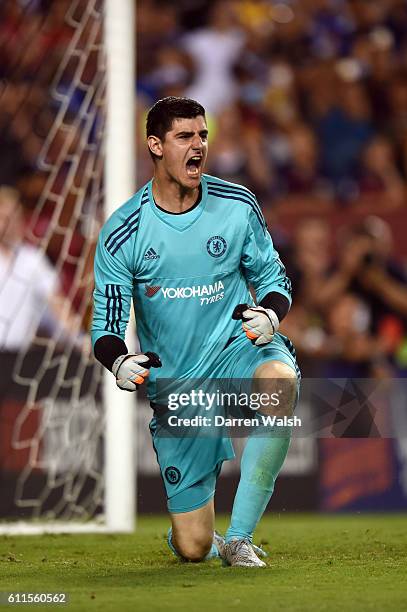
(261, 264)
(112, 294)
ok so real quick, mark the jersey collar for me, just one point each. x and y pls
(170, 218)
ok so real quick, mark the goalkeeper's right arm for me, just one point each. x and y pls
(112, 301)
(130, 369)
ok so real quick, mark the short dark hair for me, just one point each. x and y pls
(161, 116)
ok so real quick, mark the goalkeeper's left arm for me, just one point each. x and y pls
(266, 273)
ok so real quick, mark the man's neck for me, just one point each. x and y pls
(171, 196)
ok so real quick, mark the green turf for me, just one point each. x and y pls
(316, 563)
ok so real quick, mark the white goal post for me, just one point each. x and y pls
(92, 423)
(120, 183)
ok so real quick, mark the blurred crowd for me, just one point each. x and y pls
(349, 311)
(308, 99)
(307, 106)
(50, 156)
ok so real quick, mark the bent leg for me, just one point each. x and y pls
(192, 532)
(277, 377)
(265, 451)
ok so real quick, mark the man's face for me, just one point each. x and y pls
(183, 151)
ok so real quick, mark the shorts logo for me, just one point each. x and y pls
(172, 475)
(216, 246)
(151, 290)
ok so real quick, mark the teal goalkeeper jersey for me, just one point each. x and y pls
(185, 274)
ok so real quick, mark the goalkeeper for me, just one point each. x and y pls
(185, 248)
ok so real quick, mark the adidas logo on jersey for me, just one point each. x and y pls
(151, 254)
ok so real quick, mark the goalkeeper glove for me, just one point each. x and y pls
(260, 324)
(132, 369)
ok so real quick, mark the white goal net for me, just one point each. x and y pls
(52, 415)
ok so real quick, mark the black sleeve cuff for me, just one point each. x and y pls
(108, 348)
(277, 302)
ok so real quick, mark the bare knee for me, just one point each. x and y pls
(193, 547)
(274, 369)
(276, 378)
(192, 532)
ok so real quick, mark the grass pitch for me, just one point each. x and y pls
(315, 563)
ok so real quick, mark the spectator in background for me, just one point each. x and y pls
(238, 151)
(365, 282)
(351, 350)
(228, 158)
(381, 69)
(171, 75)
(367, 269)
(29, 291)
(381, 281)
(311, 260)
(302, 184)
(396, 120)
(157, 27)
(20, 109)
(379, 184)
(308, 265)
(343, 132)
(215, 50)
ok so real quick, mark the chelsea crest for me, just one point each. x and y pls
(216, 246)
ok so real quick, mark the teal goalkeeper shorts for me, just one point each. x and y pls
(191, 464)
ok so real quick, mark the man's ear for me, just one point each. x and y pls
(155, 146)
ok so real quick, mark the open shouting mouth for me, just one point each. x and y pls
(194, 165)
